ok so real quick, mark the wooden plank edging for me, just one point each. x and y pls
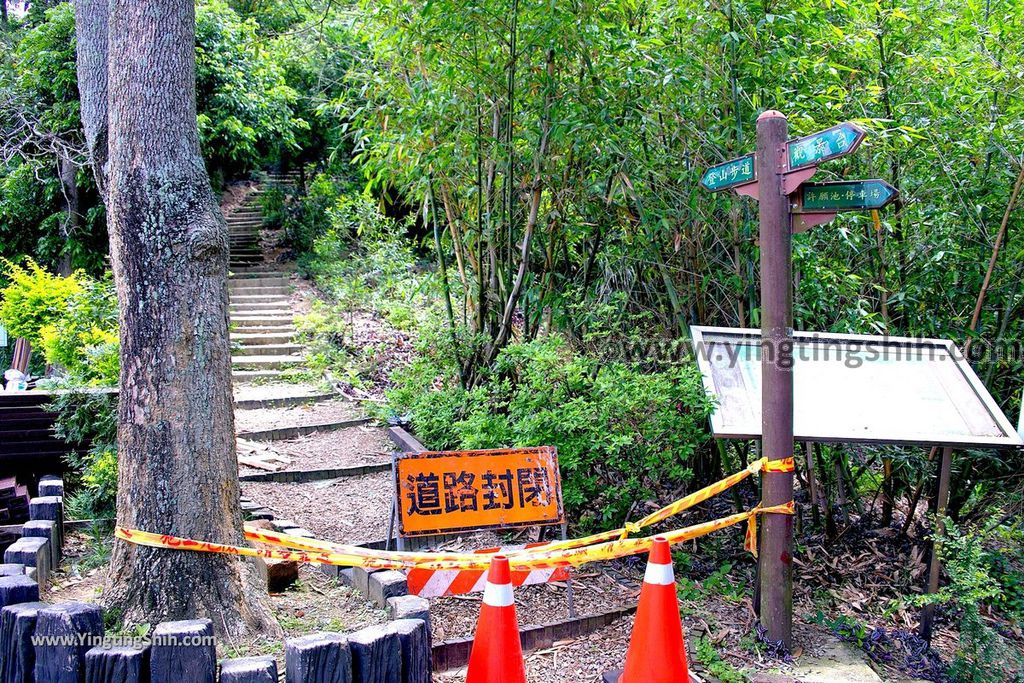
(405, 440)
(284, 433)
(454, 654)
(305, 476)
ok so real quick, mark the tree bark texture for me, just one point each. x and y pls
(91, 32)
(178, 472)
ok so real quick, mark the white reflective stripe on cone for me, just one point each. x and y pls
(498, 595)
(659, 574)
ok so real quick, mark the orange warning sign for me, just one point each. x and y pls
(448, 491)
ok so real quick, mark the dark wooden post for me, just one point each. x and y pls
(935, 569)
(776, 375)
(64, 631)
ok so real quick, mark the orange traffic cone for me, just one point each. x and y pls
(497, 655)
(657, 649)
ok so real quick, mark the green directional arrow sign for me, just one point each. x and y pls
(824, 145)
(854, 195)
(730, 174)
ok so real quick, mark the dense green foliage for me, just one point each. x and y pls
(89, 418)
(71, 321)
(245, 104)
(564, 144)
(83, 341)
(48, 207)
(982, 655)
(33, 299)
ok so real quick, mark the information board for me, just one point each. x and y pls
(448, 491)
(855, 389)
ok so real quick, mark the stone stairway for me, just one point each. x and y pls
(262, 328)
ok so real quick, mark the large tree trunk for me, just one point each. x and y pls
(178, 472)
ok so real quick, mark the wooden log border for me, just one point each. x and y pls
(285, 433)
(306, 476)
(283, 402)
(454, 654)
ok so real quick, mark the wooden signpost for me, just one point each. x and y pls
(775, 175)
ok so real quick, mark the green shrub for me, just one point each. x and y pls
(34, 298)
(89, 417)
(621, 434)
(982, 655)
(304, 219)
(84, 340)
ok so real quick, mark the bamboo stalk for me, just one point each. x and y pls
(1000, 236)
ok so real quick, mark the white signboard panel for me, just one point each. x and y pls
(855, 388)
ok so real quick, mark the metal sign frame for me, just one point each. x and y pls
(1010, 438)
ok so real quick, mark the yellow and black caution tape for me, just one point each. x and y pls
(608, 545)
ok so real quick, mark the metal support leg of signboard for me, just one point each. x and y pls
(393, 521)
(569, 598)
(935, 568)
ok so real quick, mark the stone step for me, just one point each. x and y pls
(277, 305)
(261, 321)
(270, 275)
(269, 350)
(269, 289)
(262, 279)
(243, 299)
(283, 401)
(265, 362)
(256, 269)
(247, 376)
(265, 330)
(261, 312)
(263, 338)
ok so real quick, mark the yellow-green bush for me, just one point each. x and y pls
(84, 341)
(34, 298)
